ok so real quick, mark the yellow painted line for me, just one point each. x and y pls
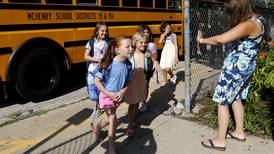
(16, 145)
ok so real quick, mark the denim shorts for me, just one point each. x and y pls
(93, 91)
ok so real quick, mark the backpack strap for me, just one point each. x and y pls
(91, 44)
(145, 63)
(132, 61)
(91, 53)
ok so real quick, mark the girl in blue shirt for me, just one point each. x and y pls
(111, 79)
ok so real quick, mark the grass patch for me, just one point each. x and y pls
(40, 112)
(8, 122)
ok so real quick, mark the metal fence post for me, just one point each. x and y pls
(187, 55)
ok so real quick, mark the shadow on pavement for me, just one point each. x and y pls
(74, 120)
(143, 142)
(160, 98)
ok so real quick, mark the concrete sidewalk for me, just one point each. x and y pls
(66, 130)
(163, 134)
(169, 135)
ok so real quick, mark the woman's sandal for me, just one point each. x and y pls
(230, 136)
(211, 145)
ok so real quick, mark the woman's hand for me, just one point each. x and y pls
(199, 37)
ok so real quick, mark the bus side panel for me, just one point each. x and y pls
(4, 58)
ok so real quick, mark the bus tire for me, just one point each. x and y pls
(39, 75)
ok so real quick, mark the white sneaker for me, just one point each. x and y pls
(210, 69)
(173, 79)
(143, 107)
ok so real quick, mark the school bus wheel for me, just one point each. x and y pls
(39, 75)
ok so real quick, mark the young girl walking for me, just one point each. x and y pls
(137, 88)
(169, 56)
(95, 49)
(111, 79)
(145, 29)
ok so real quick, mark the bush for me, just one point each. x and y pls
(259, 105)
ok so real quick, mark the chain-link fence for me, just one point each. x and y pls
(206, 60)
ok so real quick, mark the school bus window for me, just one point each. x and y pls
(132, 3)
(59, 1)
(146, 3)
(110, 2)
(160, 3)
(26, 1)
(174, 4)
(94, 2)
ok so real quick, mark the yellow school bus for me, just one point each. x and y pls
(41, 39)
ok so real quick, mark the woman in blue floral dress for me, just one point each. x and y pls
(244, 37)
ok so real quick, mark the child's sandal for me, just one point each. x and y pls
(97, 133)
(130, 132)
(91, 127)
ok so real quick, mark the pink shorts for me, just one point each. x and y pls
(107, 103)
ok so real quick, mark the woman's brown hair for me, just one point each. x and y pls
(238, 11)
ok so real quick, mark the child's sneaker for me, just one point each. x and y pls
(210, 69)
(173, 79)
(143, 107)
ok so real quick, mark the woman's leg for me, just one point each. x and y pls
(112, 129)
(238, 111)
(223, 121)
